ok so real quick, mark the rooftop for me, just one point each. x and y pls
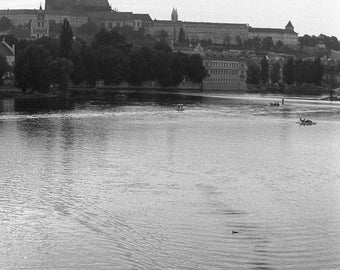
(270, 30)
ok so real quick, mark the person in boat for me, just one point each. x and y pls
(180, 108)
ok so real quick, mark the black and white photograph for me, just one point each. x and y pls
(169, 135)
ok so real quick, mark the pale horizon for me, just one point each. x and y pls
(308, 16)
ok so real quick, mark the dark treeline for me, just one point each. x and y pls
(303, 71)
(113, 56)
(293, 71)
(311, 41)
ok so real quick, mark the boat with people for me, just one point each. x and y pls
(180, 107)
(275, 104)
(306, 122)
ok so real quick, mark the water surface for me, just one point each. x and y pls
(127, 182)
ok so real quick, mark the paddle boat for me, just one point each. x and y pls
(180, 108)
(306, 122)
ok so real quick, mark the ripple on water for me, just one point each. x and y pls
(146, 187)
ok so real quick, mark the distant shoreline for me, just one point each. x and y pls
(15, 93)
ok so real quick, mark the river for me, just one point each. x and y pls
(126, 182)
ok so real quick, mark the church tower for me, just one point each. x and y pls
(290, 27)
(174, 15)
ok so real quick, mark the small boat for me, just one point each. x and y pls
(275, 104)
(180, 108)
(304, 122)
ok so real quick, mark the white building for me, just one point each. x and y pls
(287, 36)
(225, 72)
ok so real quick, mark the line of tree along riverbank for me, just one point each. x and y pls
(294, 76)
(109, 58)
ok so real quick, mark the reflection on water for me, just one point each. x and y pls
(134, 184)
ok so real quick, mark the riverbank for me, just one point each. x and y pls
(15, 93)
(296, 90)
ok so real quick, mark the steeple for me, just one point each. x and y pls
(290, 26)
(174, 15)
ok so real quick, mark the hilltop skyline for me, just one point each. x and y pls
(304, 14)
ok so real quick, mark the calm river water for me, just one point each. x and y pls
(127, 182)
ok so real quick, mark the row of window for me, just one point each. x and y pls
(40, 31)
(221, 80)
(223, 72)
(223, 64)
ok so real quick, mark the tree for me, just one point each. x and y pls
(178, 67)
(59, 72)
(3, 67)
(196, 71)
(181, 37)
(267, 43)
(162, 46)
(49, 44)
(319, 70)
(279, 44)
(299, 72)
(253, 74)
(89, 28)
(113, 65)
(89, 63)
(275, 75)
(5, 24)
(206, 43)
(31, 68)
(161, 35)
(289, 71)
(264, 70)
(55, 27)
(111, 38)
(138, 71)
(162, 67)
(227, 40)
(66, 38)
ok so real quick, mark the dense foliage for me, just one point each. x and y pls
(5, 24)
(113, 56)
(303, 71)
(3, 67)
(311, 41)
(264, 70)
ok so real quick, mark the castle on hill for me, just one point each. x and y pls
(80, 12)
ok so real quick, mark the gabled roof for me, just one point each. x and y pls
(95, 3)
(21, 33)
(119, 16)
(270, 30)
(142, 17)
(220, 56)
(5, 50)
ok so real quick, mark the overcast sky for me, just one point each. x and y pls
(311, 17)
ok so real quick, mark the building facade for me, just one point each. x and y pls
(287, 36)
(78, 6)
(218, 33)
(40, 26)
(114, 19)
(224, 72)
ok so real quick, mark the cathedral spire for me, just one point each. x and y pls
(174, 15)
